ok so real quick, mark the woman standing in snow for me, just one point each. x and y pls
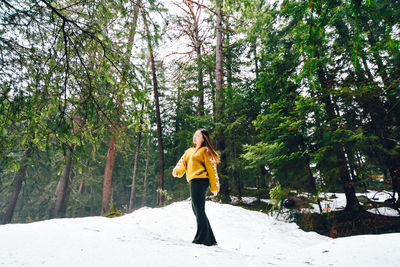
(200, 164)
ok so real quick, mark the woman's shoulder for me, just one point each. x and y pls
(204, 149)
(190, 150)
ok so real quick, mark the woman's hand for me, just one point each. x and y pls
(214, 193)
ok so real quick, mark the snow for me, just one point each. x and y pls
(245, 200)
(162, 237)
(330, 202)
(337, 201)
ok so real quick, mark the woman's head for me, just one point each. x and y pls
(198, 139)
(202, 138)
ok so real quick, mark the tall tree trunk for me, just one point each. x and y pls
(197, 43)
(352, 203)
(63, 186)
(18, 180)
(326, 83)
(178, 113)
(220, 103)
(133, 186)
(107, 185)
(64, 204)
(380, 116)
(160, 196)
(212, 86)
(235, 171)
(146, 170)
(67, 175)
(228, 58)
(219, 79)
(132, 31)
(254, 50)
(80, 190)
(383, 132)
(200, 82)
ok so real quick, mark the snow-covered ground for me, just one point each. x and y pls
(336, 201)
(162, 237)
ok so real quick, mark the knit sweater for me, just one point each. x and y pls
(198, 163)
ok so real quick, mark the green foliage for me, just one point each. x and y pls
(114, 212)
(168, 197)
(304, 82)
(278, 194)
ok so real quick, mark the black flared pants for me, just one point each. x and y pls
(204, 234)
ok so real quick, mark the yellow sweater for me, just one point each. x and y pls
(198, 163)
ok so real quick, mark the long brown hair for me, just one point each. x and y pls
(207, 143)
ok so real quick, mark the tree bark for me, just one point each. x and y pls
(220, 101)
(352, 203)
(18, 180)
(144, 198)
(211, 74)
(64, 204)
(160, 196)
(80, 190)
(133, 186)
(190, 26)
(380, 115)
(200, 82)
(132, 30)
(326, 83)
(63, 186)
(219, 57)
(392, 160)
(107, 184)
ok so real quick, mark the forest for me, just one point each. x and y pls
(100, 98)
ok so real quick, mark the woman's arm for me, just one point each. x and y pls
(211, 167)
(180, 167)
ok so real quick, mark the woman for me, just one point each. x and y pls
(200, 164)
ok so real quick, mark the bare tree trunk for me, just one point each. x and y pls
(380, 118)
(146, 171)
(63, 185)
(220, 101)
(228, 58)
(67, 175)
(352, 203)
(218, 68)
(197, 46)
(178, 113)
(133, 195)
(254, 50)
(132, 30)
(212, 86)
(80, 191)
(18, 179)
(160, 196)
(326, 83)
(64, 204)
(107, 185)
(200, 81)
(190, 26)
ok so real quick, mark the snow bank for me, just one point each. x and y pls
(162, 237)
